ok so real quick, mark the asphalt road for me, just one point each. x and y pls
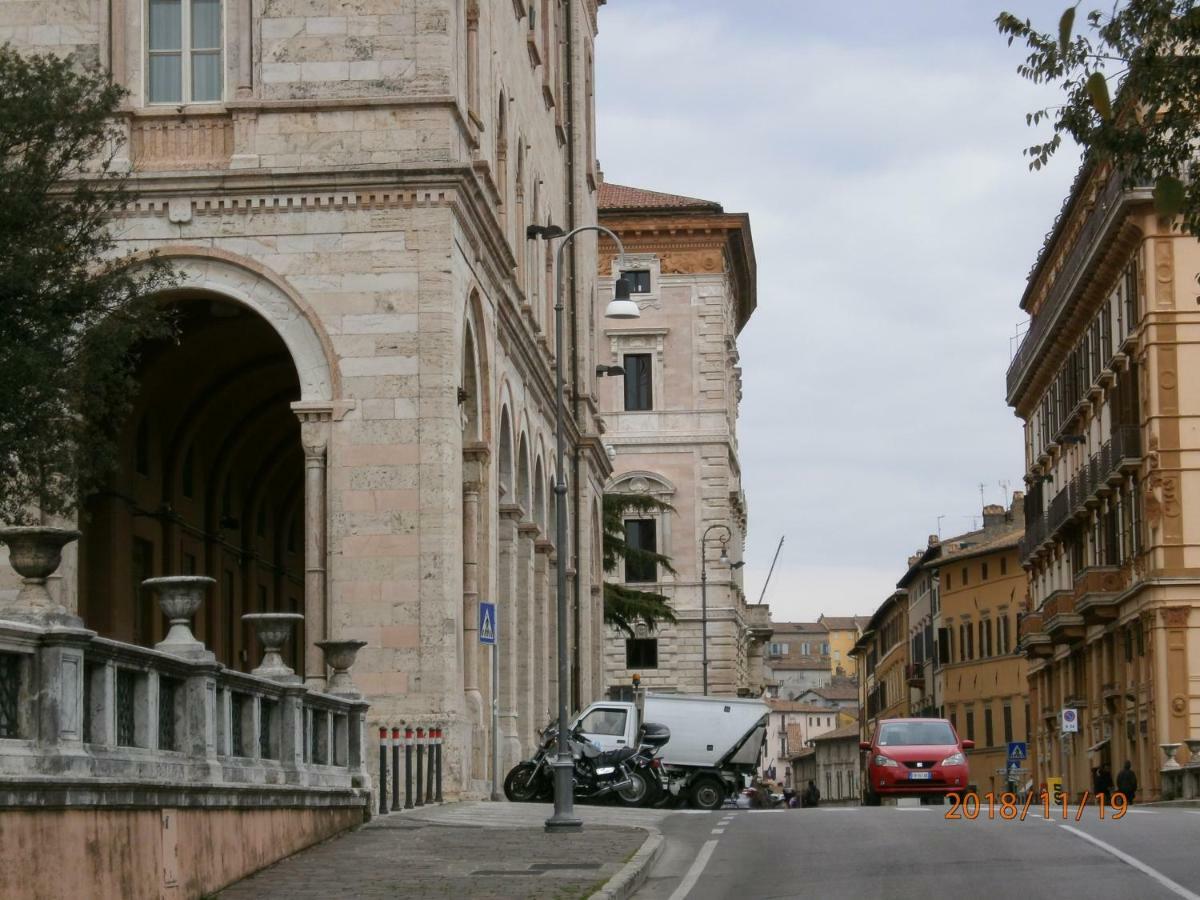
(861, 853)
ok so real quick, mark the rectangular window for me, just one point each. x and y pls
(1008, 732)
(183, 45)
(989, 738)
(641, 653)
(964, 576)
(949, 581)
(1004, 565)
(983, 571)
(639, 389)
(638, 280)
(970, 724)
(641, 535)
(945, 650)
(142, 566)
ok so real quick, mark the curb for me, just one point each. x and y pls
(634, 873)
(1169, 804)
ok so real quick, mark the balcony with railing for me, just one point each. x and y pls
(1099, 222)
(1097, 589)
(1059, 618)
(1031, 635)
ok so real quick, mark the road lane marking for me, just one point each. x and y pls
(1172, 886)
(718, 831)
(694, 873)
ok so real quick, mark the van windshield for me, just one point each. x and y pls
(911, 734)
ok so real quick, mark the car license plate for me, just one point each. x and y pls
(919, 776)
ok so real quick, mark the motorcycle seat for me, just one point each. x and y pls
(612, 757)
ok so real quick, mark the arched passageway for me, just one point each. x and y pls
(210, 481)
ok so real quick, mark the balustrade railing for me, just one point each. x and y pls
(112, 710)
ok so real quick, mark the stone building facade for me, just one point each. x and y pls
(672, 431)
(832, 763)
(1104, 384)
(357, 422)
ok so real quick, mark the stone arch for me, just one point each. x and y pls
(504, 455)
(472, 419)
(640, 482)
(539, 496)
(524, 494)
(256, 287)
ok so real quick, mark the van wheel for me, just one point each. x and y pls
(707, 793)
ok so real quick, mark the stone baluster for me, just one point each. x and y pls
(314, 434)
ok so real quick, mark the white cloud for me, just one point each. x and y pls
(894, 221)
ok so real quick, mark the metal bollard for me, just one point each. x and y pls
(429, 767)
(408, 770)
(438, 748)
(383, 770)
(395, 768)
(420, 766)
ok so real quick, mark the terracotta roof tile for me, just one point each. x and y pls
(621, 197)
(846, 731)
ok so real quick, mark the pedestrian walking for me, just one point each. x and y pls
(812, 795)
(1127, 782)
(1102, 783)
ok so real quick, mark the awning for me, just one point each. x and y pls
(1097, 746)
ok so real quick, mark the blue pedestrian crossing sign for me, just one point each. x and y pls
(1018, 751)
(487, 622)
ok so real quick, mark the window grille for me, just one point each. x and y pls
(10, 695)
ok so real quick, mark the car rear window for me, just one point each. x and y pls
(910, 734)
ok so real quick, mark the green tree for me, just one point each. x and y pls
(1148, 50)
(625, 607)
(71, 309)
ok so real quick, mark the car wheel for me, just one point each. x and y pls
(707, 793)
(870, 798)
(522, 784)
(637, 792)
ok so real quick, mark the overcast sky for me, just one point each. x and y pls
(877, 148)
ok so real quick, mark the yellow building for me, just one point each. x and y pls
(882, 656)
(843, 633)
(1104, 382)
(980, 681)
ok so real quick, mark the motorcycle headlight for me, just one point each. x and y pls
(955, 759)
(881, 760)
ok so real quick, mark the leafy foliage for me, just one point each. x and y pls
(625, 607)
(1150, 131)
(71, 311)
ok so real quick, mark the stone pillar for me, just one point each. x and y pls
(314, 434)
(245, 67)
(598, 635)
(542, 649)
(507, 610)
(60, 678)
(527, 534)
(472, 695)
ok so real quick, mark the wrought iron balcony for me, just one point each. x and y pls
(1098, 222)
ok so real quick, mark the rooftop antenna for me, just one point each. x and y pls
(982, 498)
(939, 528)
(1005, 484)
(772, 569)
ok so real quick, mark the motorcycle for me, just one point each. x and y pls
(597, 773)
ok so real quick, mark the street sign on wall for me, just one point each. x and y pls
(487, 622)
(1070, 721)
(1018, 751)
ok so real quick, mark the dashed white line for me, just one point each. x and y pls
(694, 871)
(718, 831)
(1172, 886)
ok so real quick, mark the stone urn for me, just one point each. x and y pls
(35, 553)
(339, 656)
(1170, 750)
(179, 598)
(1193, 746)
(273, 630)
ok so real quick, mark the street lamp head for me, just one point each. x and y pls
(621, 307)
(723, 559)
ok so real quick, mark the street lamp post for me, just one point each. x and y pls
(620, 307)
(723, 560)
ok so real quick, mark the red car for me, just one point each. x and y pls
(915, 757)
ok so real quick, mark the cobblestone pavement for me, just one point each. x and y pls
(411, 856)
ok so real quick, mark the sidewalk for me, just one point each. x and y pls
(461, 850)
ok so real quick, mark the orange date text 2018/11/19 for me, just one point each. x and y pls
(1008, 806)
